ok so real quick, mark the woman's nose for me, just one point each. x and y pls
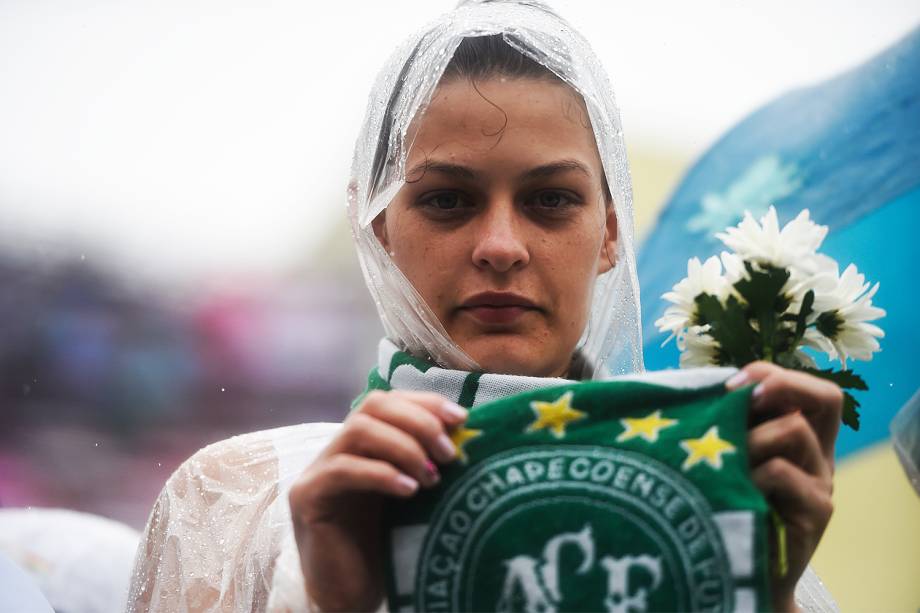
(499, 242)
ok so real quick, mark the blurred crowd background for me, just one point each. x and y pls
(106, 385)
(175, 266)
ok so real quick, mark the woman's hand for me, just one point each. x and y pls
(795, 418)
(385, 448)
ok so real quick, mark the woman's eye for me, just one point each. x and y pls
(552, 199)
(445, 203)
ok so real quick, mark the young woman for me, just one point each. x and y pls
(491, 207)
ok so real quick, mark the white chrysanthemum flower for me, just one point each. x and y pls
(702, 278)
(734, 267)
(766, 243)
(837, 323)
(793, 247)
(841, 314)
(697, 348)
(805, 359)
(816, 340)
(818, 273)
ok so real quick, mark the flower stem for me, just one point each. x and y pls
(767, 328)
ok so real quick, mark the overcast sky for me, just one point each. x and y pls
(193, 136)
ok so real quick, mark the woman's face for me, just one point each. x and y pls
(502, 226)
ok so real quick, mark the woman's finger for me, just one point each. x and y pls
(448, 411)
(421, 422)
(803, 503)
(789, 436)
(779, 391)
(366, 436)
(798, 497)
(345, 473)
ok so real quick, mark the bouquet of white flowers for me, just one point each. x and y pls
(775, 296)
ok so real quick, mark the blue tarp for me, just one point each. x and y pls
(849, 151)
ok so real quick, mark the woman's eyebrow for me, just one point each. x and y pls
(553, 168)
(453, 170)
(464, 172)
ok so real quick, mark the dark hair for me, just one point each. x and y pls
(481, 57)
(476, 58)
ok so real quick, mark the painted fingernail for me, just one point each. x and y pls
(432, 471)
(446, 447)
(453, 410)
(406, 484)
(758, 391)
(737, 380)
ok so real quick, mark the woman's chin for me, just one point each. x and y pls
(514, 354)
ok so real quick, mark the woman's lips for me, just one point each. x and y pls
(488, 314)
(498, 308)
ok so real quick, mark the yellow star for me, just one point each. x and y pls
(647, 427)
(709, 448)
(460, 436)
(555, 415)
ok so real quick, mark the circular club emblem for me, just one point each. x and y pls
(572, 528)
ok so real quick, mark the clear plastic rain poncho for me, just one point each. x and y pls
(403, 89)
(220, 537)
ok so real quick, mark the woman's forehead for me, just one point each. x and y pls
(525, 122)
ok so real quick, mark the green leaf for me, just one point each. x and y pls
(708, 309)
(804, 312)
(850, 415)
(729, 326)
(847, 379)
(762, 290)
(766, 303)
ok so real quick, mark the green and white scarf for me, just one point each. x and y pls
(631, 494)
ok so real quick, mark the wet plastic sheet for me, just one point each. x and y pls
(611, 342)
